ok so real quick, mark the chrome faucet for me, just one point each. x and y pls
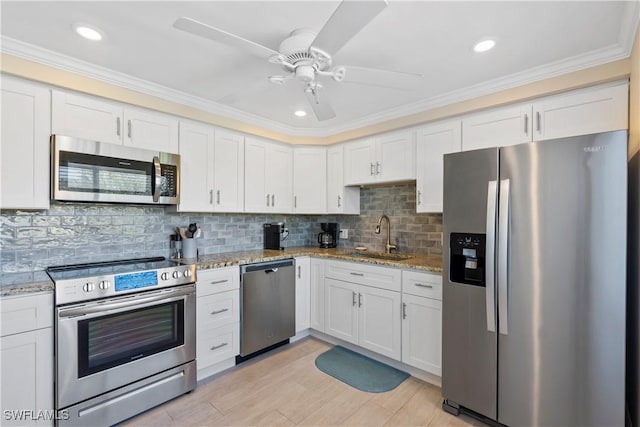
(388, 246)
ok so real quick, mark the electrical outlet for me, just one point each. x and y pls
(344, 233)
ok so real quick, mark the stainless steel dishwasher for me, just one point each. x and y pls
(268, 298)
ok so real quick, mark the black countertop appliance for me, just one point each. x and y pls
(329, 236)
(274, 233)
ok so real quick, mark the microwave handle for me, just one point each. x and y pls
(156, 177)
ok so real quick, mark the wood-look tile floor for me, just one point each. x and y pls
(284, 388)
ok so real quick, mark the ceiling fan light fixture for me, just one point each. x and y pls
(300, 113)
(484, 45)
(276, 79)
(88, 32)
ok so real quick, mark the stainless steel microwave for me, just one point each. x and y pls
(90, 171)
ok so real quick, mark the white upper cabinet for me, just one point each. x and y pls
(310, 180)
(212, 169)
(268, 178)
(24, 145)
(340, 199)
(497, 128)
(582, 112)
(433, 142)
(385, 158)
(228, 172)
(97, 119)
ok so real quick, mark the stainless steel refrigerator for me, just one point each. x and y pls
(534, 282)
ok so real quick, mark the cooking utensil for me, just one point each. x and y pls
(192, 229)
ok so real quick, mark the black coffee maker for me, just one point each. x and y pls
(274, 233)
(329, 236)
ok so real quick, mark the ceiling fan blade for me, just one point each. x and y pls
(207, 31)
(319, 104)
(381, 78)
(347, 20)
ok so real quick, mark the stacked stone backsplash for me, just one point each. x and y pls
(70, 233)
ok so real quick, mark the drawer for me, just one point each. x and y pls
(26, 313)
(217, 280)
(213, 345)
(364, 274)
(216, 310)
(421, 284)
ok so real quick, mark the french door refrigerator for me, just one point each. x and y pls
(534, 282)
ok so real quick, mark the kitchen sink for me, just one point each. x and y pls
(377, 255)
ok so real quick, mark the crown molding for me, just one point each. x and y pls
(620, 50)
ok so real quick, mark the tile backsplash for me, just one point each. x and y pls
(71, 233)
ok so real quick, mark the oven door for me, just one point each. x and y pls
(106, 344)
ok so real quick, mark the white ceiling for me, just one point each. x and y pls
(433, 38)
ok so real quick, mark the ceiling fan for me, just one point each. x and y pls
(305, 55)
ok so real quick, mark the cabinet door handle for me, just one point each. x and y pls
(299, 274)
(339, 201)
(215, 347)
(378, 168)
(422, 285)
(404, 310)
(218, 197)
(359, 299)
(216, 282)
(118, 126)
(526, 124)
(219, 311)
(273, 200)
(356, 274)
(419, 197)
(267, 200)
(129, 128)
(353, 298)
(538, 121)
(210, 197)
(373, 168)
(295, 201)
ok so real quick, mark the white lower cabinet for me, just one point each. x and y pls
(303, 290)
(217, 319)
(26, 355)
(316, 291)
(422, 321)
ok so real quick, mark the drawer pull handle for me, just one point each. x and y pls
(216, 282)
(219, 311)
(215, 347)
(423, 285)
(356, 274)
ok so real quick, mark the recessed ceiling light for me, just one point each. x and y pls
(300, 113)
(87, 32)
(484, 45)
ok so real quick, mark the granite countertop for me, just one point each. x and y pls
(25, 283)
(430, 263)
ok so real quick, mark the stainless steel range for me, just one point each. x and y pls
(125, 337)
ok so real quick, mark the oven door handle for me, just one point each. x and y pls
(135, 302)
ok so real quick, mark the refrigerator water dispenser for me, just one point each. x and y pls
(467, 258)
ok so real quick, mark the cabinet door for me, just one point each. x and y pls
(309, 180)
(86, 117)
(317, 294)
(422, 333)
(279, 176)
(24, 145)
(256, 198)
(379, 320)
(151, 130)
(228, 172)
(303, 293)
(359, 162)
(27, 375)
(340, 199)
(341, 311)
(433, 142)
(581, 113)
(497, 128)
(196, 165)
(395, 157)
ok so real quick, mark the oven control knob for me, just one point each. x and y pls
(176, 274)
(164, 276)
(104, 285)
(88, 287)
(187, 273)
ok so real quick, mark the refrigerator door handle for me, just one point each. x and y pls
(503, 250)
(492, 197)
